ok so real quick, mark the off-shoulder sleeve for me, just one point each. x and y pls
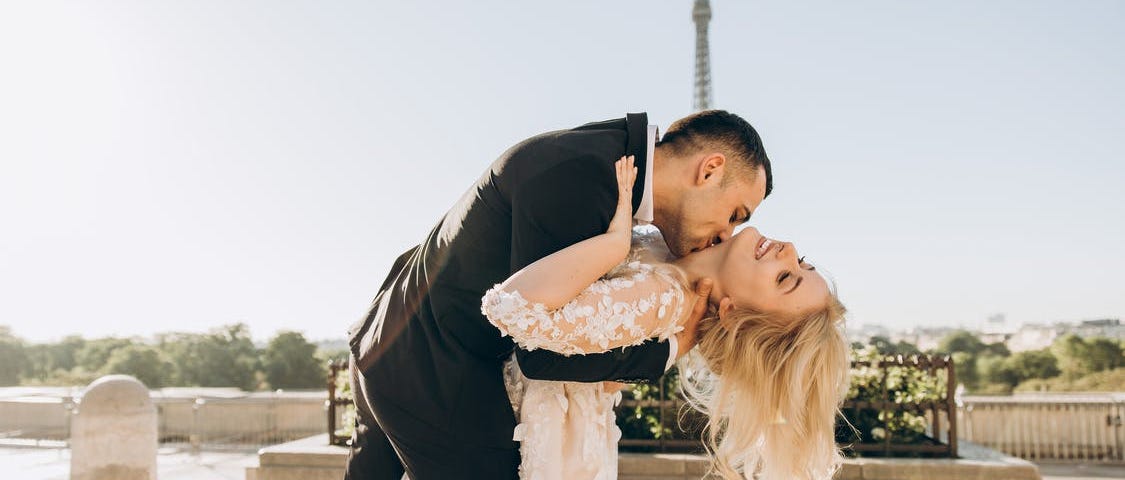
(610, 313)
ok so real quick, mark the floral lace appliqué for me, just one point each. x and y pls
(595, 318)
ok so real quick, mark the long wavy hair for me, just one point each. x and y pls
(771, 389)
(770, 385)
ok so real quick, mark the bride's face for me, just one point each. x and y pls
(767, 275)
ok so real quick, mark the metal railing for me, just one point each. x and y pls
(935, 441)
(227, 420)
(241, 423)
(1063, 427)
(337, 405)
(680, 428)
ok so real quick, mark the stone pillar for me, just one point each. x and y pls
(113, 434)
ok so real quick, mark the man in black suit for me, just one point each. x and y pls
(426, 364)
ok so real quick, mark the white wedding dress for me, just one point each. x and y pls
(567, 430)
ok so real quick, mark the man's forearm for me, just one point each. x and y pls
(642, 363)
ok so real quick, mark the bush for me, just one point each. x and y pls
(904, 386)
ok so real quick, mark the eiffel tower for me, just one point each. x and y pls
(701, 15)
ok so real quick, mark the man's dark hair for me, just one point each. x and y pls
(726, 132)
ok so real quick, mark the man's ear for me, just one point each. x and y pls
(710, 167)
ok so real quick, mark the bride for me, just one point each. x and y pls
(771, 343)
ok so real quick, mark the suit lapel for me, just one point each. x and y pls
(637, 146)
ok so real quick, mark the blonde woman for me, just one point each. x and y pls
(773, 345)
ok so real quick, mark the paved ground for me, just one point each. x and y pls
(1080, 472)
(29, 463)
(32, 463)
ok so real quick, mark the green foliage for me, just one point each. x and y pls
(94, 354)
(964, 366)
(344, 391)
(644, 422)
(995, 370)
(680, 422)
(48, 362)
(901, 385)
(1078, 357)
(290, 362)
(886, 347)
(144, 362)
(224, 357)
(1104, 381)
(1034, 364)
(13, 358)
(961, 341)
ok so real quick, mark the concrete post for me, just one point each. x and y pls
(114, 433)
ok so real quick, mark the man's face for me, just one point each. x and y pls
(708, 211)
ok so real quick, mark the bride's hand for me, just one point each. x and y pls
(622, 222)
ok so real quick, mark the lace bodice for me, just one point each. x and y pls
(568, 430)
(635, 302)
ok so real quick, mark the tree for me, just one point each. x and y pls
(1034, 364)
(13, 358)
(960, 341)
(997, 349)
(290, 361)
(94, 354)
(1078, 357)
(885, 346)
(47, 360)
(225, 357)
(995, 370)
(965, 369)
(1105, 354)
(144, 362)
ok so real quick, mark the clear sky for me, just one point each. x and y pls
(181, 165)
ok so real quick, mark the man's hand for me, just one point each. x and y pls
(685, 340)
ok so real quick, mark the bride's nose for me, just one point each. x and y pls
(788, 251)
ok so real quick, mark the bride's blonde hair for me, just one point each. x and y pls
(771, 389)
(771, 385)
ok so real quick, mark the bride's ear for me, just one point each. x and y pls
(725, 307)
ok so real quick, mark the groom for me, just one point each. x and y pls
(426, 364)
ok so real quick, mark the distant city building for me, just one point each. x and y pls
(1107, 327)
(864, 333)
(995, 337)
(925, 338)
(1028, 337)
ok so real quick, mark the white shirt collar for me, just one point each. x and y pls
(644, 213)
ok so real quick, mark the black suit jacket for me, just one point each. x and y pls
(428, 353)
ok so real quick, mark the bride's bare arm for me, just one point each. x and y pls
(559, 277)
(558, 302)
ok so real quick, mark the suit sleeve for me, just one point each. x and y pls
(561, 206)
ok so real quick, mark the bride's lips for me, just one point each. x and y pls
(763, 246)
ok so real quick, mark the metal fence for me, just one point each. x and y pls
(226, 420)
(241, 423)
(40, 421)
(658, 419)
(936, 406)
(1064, 427)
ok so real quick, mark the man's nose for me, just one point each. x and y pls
(724, 235)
